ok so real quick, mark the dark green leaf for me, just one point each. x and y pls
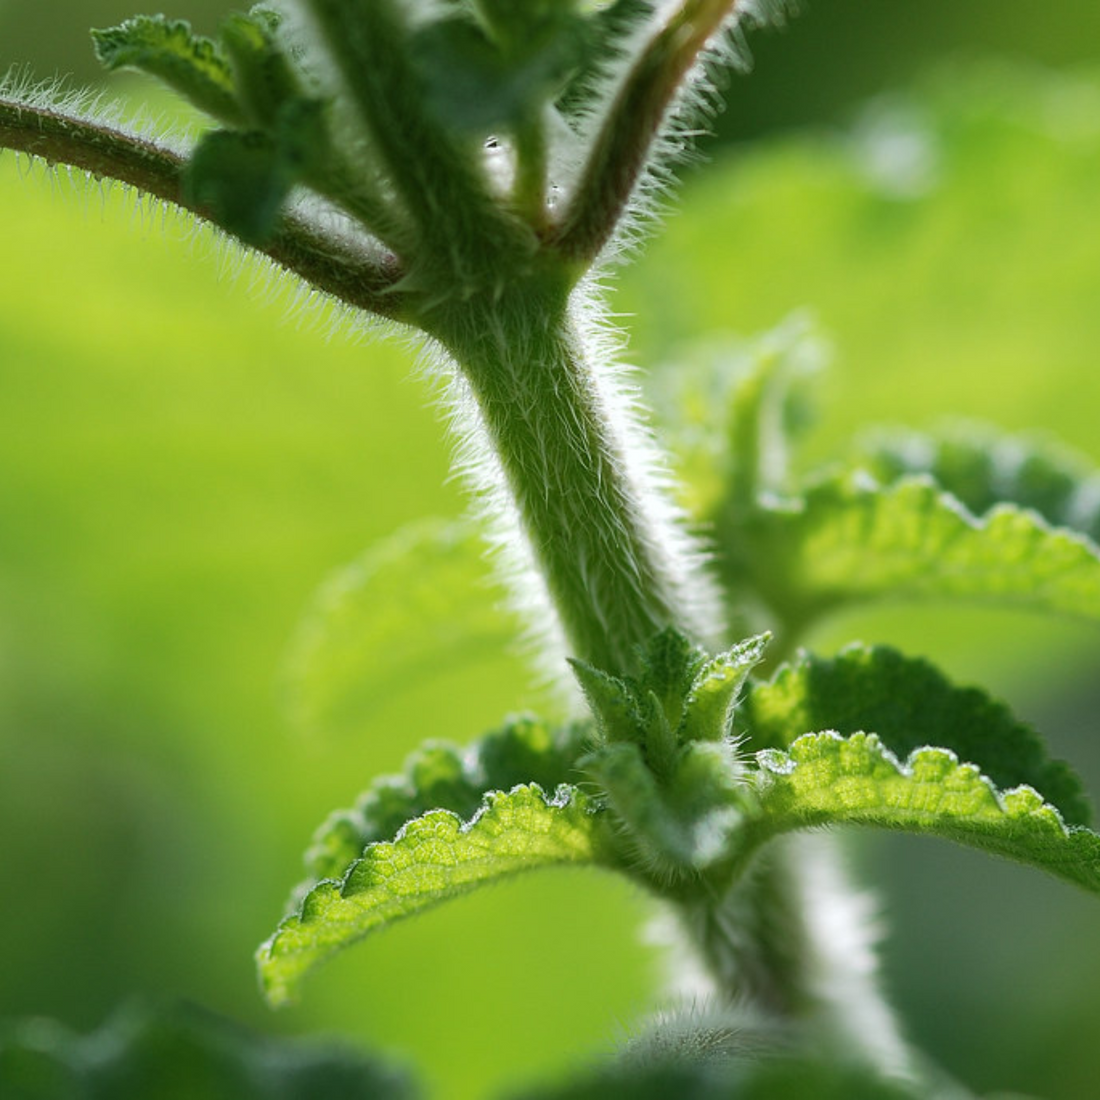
(241, 180)
(443, 776)
(606, 32)
(265, 78)
(165, 48)
(475, 84)
(183, 1053)
(746, 1078)
(909, 704)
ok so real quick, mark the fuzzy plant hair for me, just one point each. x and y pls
(469, 171)
(342, 154)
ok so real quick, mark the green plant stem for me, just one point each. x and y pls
(105, 152)
(790, 938)
(566, 467)
(439, 182)
(625, 141)
(531, 169)
(590, 527)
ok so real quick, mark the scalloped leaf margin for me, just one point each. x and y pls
(852, 539)
(909, 704)
(827, 779)
(432, 859)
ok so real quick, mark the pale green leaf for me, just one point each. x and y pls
(709, 706)
(983, 467)
(852, 539)
(183, 1052)
(421, 605)
(826, 779)
(441, 776)
(433, 858)
(731, 409)
(166, 49)
(909, 704)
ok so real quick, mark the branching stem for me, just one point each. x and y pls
(438, 180)
(625, 140)
(588, 524)
(105, 152)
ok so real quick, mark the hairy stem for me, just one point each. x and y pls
(605, 559)
(438, 179)
(531, 169)
(794, 940)
(634, 120)
(106, 152)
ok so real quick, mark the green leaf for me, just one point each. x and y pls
(181, 1051)
(852, 539)
(983, 467)
(421, 605)
(166, 49)
(606, 32)
(444, 776)
(241, 180)
(475, 83)
(824, 779)
(909, 704)
(433, 858)
(613, 702)
(679, 699)
(668, 668)
(263, 74)
(709, 706)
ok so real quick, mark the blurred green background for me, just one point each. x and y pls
(187, 451)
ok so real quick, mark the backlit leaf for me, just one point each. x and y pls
(983, 468)
(166, 49)
(824, 779)
(420, 605)
(909, 704)
(851, 539)
(444, 776)
(433, 858)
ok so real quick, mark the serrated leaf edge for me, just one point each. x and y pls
(281, 990)
(1016, 803)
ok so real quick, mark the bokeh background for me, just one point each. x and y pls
(187, 451)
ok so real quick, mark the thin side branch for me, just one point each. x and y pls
(442, 186)
(625, 141)
(105, 152)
